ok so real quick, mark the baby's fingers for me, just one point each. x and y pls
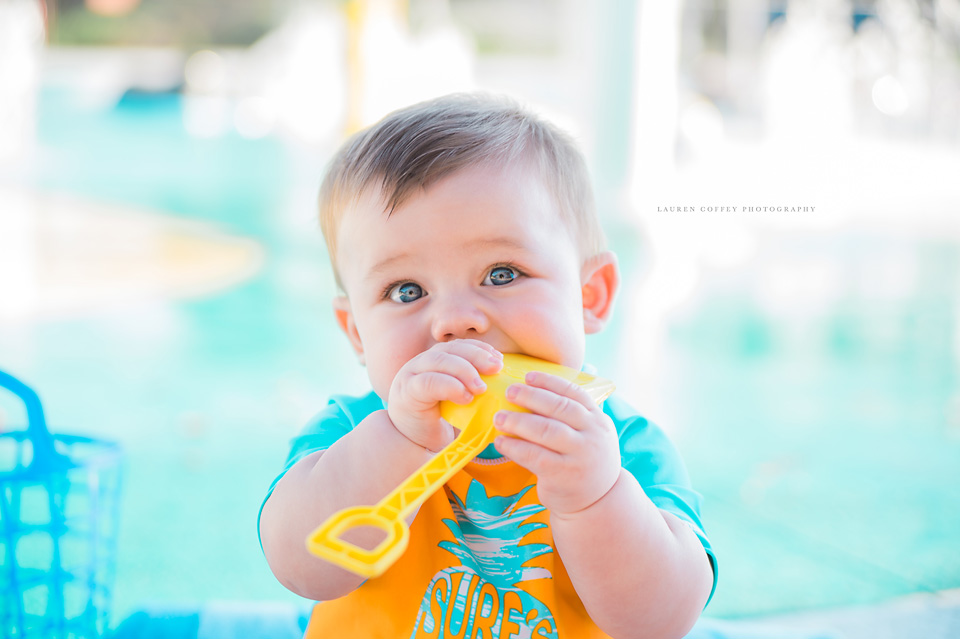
(538, 460)
(476, 351)
(554, 397)
(460, 358)
(549, 433)
(430, 387)
(449, 371)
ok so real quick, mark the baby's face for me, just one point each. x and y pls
(482, 254)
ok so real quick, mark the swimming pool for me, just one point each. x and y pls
(825, 443)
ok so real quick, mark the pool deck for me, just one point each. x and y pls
(931, 616)
(74, 256)
(928, 616)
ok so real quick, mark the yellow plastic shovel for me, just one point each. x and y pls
(475, 422)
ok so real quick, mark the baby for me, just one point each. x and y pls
(460, 229)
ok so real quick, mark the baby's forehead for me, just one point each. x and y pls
(391, 192)
(485, 209)
(471, 196)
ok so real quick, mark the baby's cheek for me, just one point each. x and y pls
(382, 369)
(558, 338)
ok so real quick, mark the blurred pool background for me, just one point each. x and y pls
(163, 281)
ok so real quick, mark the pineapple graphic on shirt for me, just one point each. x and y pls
(481, 597)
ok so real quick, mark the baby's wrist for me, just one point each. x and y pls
(590, 503)
(396, 422)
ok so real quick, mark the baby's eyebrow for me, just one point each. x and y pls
(480, 243)
(502, 241)
(387, 262)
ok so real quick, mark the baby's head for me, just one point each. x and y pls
(413, 148)
(464, 218)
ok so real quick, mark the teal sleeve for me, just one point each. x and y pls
(341, 415)
(649, 455)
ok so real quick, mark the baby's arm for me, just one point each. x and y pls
(360, 468)
(638, 571)
(366, 464)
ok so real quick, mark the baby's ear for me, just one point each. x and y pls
(341, 308)
(600, 280)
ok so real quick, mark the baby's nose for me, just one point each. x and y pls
(457, 319)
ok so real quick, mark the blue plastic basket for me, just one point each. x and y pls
(59, 504)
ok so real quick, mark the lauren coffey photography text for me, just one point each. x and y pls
(736, 209)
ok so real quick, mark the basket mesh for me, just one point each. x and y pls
(58, 547)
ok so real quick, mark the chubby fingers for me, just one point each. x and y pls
(527, 429)
(555, 398)
(449, 371)
(561, 415)
(565, 439)
(471, 349)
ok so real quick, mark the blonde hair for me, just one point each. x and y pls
(414, 147)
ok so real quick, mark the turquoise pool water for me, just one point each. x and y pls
(826, 445)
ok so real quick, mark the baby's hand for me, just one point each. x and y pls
(566, 440)
(447, 371)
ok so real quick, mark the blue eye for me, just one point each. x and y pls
(500, 275)
(406, 293)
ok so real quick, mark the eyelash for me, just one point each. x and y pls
(385, 293)
(388, 289)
